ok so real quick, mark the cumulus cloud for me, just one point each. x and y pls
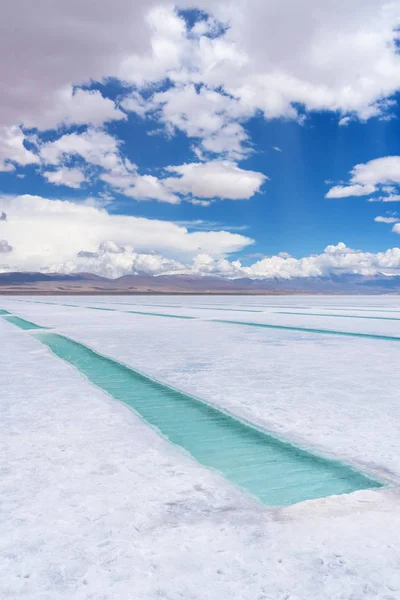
(72, 46)
(5, 246)
(366, 178)
(203, 113)
(12, 149)
(100, 149)
(196, 202)
(386, 220)
(220, 73)
(221, 179)
(76, 107)
(72, 178)
(47, 234)
(385, 170)
(388, 198)
(94, 146)
(213, 77)
(108, 263)
(344, 59)
(148, 187)
(167, 52)
(334, 260)
(192, 181)
(344, 191)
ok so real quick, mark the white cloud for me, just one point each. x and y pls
(120, 178)
(95, 146)
(200, 113)
(99, 149)
(229, 141)
(12, 149)
(335, 260)
(110, 263)
(344, 59)
(112, 260)
(76, 107)
(385, 170)
(167, 50)
(221, 179)
(200, 202)
(72, 178)
(148, 187)
(5, 247)
(344, 191)
(137, 104)
(366, 178)
(322, 265)
(277, 149)
(389, 198)
(47, 234)
(56, 44)
(386, 219)
(50, 235)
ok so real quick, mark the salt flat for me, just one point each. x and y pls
(383, 319)
(98, 505)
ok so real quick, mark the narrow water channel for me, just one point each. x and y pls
(276, 472)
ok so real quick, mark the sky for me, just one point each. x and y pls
(256, 138)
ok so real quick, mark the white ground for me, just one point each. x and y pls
(96, 505)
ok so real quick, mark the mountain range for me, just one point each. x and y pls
(88, 283)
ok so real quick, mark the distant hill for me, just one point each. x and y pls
(88, 283)
(22, 278)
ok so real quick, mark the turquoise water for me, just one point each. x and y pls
(151, 314)
(276, 472)
(281, 312)
(358, 309)
(390, 338)
(70, 305)
(135, 312)
(23, 324)
(248, 323)
(4, 312)
(138, 312)
(147, 304)
(225, 309)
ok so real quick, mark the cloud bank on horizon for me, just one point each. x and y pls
(69, 237)
(79, 82)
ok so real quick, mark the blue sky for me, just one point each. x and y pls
(290, 213)
(211, 132)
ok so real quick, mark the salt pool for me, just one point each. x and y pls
(276, 472)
